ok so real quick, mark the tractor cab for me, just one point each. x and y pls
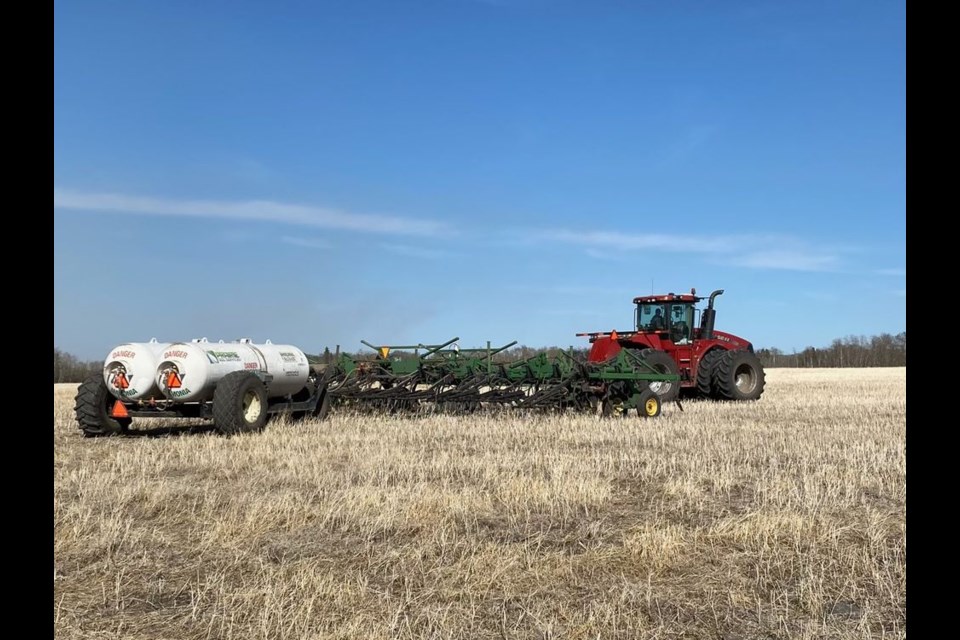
(671, 316)
(673, 336)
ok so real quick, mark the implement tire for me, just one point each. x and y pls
(706, 378)
(92, 407)
(649, 404)
(240, 403)
(739, 376)
(662, 363)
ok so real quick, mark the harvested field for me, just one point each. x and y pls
(783, 518)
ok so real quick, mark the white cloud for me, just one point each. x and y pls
(572, 312)
(606, 255)
(757, 251)
(629, 241)
(254, 210)
(786, 259)
(416, 252)
(689, 141)
(311, 243)
(820, 296)
(569, 290)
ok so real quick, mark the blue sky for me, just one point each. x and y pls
(318, 173)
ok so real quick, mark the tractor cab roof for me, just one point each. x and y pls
(670, 297)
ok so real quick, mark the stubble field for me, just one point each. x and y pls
(784, 518)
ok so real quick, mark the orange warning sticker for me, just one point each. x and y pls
(173, 380)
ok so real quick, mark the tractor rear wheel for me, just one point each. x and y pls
(739, 376)
(240, 403)
(706, 373)
(662, 363)
(92, 408)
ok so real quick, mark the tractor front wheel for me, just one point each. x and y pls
(240, 403)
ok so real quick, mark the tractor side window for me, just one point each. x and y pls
(681, 321)
(651, 317)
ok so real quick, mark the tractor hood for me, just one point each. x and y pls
(732, 341)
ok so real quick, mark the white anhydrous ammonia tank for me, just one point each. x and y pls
(190, 371)
(130, 369)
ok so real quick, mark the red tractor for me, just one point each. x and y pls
(710, 363)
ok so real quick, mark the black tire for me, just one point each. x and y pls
(650, 405)
(300, 396)
(706, 383)
(739, 376)
(323, 407)
(92, 407)
(662, 363)
(240, 403)
(326, 400)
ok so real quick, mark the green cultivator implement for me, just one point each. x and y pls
(446, 378)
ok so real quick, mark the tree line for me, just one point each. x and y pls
(68, 368)
(884, 350)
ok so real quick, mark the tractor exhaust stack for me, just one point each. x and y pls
(709, 317)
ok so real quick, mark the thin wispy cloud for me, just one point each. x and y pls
(416, 252)
(238, 235)
(569, 290)
(820, 296)
(755, 251)
(631, 241)
(564, 313)
(310, 243)
(603, 255)
(787, 260)
(252, 210)
(689, 141)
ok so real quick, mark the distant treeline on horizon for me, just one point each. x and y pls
(884, 350)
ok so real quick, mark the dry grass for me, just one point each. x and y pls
(779, 519)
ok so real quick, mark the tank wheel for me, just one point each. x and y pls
(92, 406)
(662, 363)
(649, 405)
(739, 376)
(706, 371)
(240, 403)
